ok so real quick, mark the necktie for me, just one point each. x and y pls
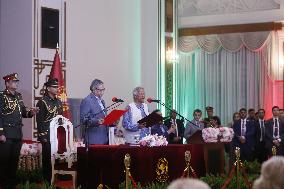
(101, 105)
(243, 127)
(197, 123)
(175, 125)
(162, 128)
(262, 130)
(276, 128)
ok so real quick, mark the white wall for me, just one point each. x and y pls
(115, 41)
(16, 48)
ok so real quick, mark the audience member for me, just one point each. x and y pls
(188, 183)
(271, 174)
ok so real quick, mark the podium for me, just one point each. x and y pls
(214, 153)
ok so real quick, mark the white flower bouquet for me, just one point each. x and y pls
(153, 140)
(227, 134)
(30, 149)
(210, 134)
(224, 134)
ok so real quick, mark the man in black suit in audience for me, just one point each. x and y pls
(260, 151)
(251, 114)
(274, 132)
(244, 136)
(177, 136)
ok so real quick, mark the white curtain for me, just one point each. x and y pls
(226, 80)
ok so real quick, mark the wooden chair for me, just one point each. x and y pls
(62, 163)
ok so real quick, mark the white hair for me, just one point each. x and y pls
(136, 91)
(188, 183)
(272, 171)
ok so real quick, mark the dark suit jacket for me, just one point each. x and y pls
(90, 113)
(258, 132)
(156, 129)
(180, 127)
(269, 133)
(248, 146)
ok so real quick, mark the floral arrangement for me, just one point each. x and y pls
(153, 140)
(30, 149)
(210, 134)
(30, 156)
(224, 134)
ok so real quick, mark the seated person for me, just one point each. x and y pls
(271, 171)
(188, 183)
(194, 125)
(160, 128)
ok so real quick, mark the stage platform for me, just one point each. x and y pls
(105, 164)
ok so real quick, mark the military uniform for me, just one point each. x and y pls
(48, 109)
(12, 110)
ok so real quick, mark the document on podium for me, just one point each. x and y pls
(113, 116)
(151, 119)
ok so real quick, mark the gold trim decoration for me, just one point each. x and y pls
(238, 164)
(274, 151)
(127, 161)
(162, 170)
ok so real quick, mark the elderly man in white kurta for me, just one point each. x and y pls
(136, 111)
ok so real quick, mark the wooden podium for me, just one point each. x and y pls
(214, 155)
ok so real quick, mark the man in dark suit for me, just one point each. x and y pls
(12, 110)
(92, 114)
(251, 114)
(49, 107)
(260, 150)
(244, 138)
(177, 136)
(274, 132)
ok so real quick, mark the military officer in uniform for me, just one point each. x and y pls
(12, 110)
(49, 107)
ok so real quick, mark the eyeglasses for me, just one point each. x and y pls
(102, 90)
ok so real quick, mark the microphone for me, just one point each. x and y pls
(150, 100)
(114, 99)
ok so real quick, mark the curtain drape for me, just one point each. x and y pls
(227, 80)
